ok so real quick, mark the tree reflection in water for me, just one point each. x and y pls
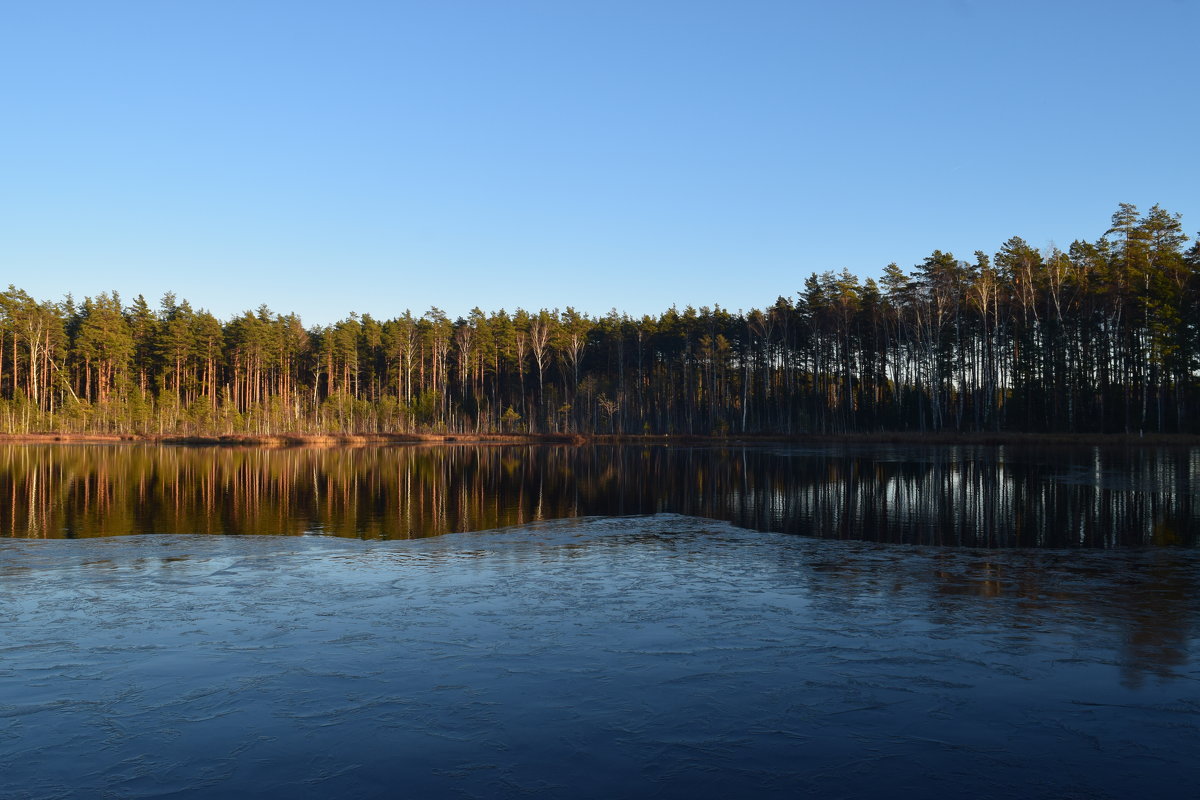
(1008, 543)
(961, 496)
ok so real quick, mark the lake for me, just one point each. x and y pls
(939, 495)
(598, 622)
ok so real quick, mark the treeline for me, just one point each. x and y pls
(1102, 337)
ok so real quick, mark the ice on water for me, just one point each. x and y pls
(661, 656)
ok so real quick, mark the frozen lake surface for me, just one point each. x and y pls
(663, 656)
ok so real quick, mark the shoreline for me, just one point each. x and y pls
(580, 439)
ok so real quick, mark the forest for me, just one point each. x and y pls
(1103, 337)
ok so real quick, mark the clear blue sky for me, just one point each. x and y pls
(328, 157)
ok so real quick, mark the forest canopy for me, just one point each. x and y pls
(1101, 337)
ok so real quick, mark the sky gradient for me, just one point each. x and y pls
(325, 158)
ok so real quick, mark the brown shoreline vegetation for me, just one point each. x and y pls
(580, 439)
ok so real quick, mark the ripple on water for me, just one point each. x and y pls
(664, 656)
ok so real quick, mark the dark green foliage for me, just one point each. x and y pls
(1104, 337)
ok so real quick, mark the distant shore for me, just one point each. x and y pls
(578, 439)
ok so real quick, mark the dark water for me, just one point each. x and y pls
(560, 650)
(961, 496)
(636, 657)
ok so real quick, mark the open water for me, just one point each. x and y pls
(560, 654)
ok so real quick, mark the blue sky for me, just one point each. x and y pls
(331, 157)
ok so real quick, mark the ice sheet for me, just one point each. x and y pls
(657, 656)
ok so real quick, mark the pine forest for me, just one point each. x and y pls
(1102, 337)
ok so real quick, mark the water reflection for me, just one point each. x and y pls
(1140, 606)
(964, 496)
